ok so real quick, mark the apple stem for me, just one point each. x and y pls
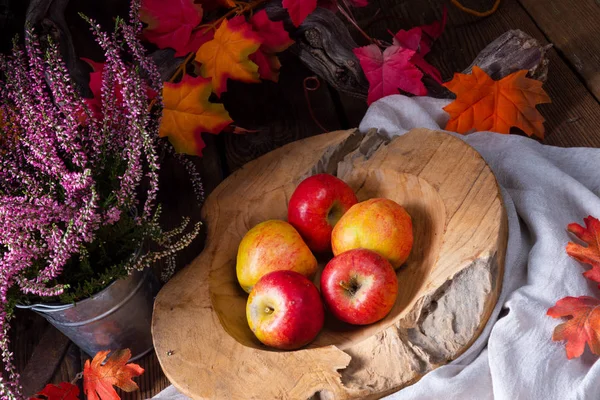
(350, 287)
(268, 310)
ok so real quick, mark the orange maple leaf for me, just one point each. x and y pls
(589, 254)
(584, 326)
(98, 379)
(187, 113)
(226, 56)
(483, 104)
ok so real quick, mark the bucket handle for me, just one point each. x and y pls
(45, 308)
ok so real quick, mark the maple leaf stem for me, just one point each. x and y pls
(76, 378)
(182, 66)
(241, 8)
(351, 19)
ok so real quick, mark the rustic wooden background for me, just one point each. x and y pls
(282, 114)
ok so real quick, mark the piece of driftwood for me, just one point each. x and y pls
(447, 289)
(513, 51)
(324, 45)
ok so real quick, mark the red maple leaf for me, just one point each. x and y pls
(420, 40)
(299, 9)
(174, 24)
(96, 79)
(584, 325)
(389, 71)
(274, 39)
(432, 32)
(95, 103)
(62, 391)
(589, 254)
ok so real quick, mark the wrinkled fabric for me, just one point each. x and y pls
(544, 188)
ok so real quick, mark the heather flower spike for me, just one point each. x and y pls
(67, 173)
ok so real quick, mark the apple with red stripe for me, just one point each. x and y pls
(284, 310)
(359, 286)
(316, 206)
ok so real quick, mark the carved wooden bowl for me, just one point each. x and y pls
(447, 288)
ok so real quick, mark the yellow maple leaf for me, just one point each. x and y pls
(226, 56)
(187, 113)
(483, 104)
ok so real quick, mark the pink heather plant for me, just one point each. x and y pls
(70, 179)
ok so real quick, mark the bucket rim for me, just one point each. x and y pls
(57, 307)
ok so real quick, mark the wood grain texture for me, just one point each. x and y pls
(448, 286)
(573, 28)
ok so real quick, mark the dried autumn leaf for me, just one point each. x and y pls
(98, 379)
(483, 104)
(173, 24)
(62, 391)
(187, 113)
(589, 254)
(226, 56)
(299, 9)
(389, 71)
(274, 39)
(582, 328)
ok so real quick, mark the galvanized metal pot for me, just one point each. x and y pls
(118, 317)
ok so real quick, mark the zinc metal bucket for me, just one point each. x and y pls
(118, 317)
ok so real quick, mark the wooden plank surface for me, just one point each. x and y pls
(572, 26)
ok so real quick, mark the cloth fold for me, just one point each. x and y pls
(544, 189)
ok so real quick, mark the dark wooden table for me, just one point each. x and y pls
(282, 112)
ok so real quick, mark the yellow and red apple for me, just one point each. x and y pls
(380, 225)
(270, 246)
(284, 310)
(316, 206)
(359, 286)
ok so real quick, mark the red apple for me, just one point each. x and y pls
(359, 286)
(284, 310)
(316, 206)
